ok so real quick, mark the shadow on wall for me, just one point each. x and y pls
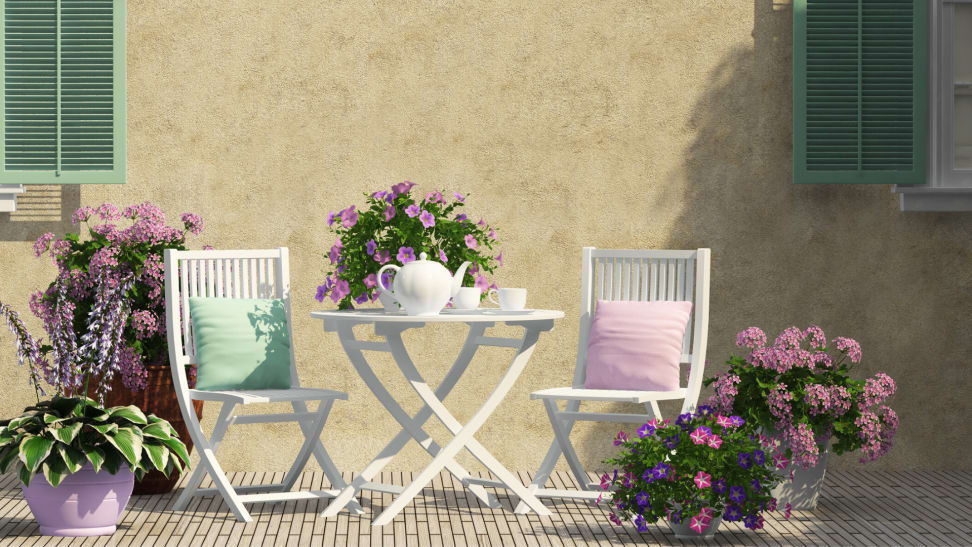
(841, 256)
(41, 209)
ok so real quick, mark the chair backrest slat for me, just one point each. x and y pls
(220, 274)
(647, 275)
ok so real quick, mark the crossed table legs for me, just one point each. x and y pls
(412, 426)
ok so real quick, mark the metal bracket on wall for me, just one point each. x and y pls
(8, 197)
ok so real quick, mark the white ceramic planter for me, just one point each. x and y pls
(683, 531)
(804, 490)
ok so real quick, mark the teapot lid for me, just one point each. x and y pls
(423, 255)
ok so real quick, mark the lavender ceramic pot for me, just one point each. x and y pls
(84, 504)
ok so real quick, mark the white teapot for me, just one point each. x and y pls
(423, 287)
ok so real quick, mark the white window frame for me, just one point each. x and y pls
(942, 172)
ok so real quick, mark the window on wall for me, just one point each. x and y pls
(63, 91)
(883, 95)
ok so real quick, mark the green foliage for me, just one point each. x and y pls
(447, 236)
(58, 436)
(672, 445)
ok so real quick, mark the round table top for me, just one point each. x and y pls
(379, 315)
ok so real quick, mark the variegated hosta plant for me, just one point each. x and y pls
(58, 437)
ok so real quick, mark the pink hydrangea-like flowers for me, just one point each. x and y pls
(193, 223)
(850, 347)
(753, 337)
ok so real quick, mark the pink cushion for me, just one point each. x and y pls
(636, 345)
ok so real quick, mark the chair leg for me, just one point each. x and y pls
(331, 471)
(652, 407)
(198, 474)
(542, 475)
(562, 435)
(312, 435)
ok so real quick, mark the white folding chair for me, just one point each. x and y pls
(643, 275)
(240, 274)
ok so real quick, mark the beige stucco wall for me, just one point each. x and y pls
(635, 124)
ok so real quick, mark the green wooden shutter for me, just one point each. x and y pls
(859, 91)
(63, 91)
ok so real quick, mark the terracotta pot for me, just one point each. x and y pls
(84, 504)
(159, 398)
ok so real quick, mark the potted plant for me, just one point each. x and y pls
(395, 225)
(77, 460)
(119, 243)
(801, 393)
(696, 472)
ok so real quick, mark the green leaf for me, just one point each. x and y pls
(54, 418)
(33, 450)
(67, 434)
(180, 449)
(157, 431)
(24, 474)
(96, 456)
(130, 413)
(128, 441)
(9, 454)
(105, 429)
(73, 458)
(158, 454)
(113, 461)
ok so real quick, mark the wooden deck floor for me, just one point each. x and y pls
(857, 508)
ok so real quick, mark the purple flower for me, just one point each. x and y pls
(379, 194)
(755, 484)
(719, 486)
(370, 247)
(684, 420)
(43, 243)
(759, 457)
(621, 438)
(642, 498)
(389, 213)
(646, 430)
(362, 298)
(412, 211)
(672, 442)
(647, 476)
(492, 234)
(661, 470)
(330, 218)
(481, 222)
(193, 223)
(481, 283)
(382, 256)
(433, 197)
(704, 411)
(737, 494)
(335, 253)
(461, 218)
(745, 460)
(442, 256)
(471, 241)
(371, 280)
(640, 524)
(499, 258)
(405, 255)
(82, 215)
(109, 212)
(402, 187)
(349, 217)
(321, 293)
(458, 196)
(427, 218)
(340, 290)
(736, 421)
(732, 514)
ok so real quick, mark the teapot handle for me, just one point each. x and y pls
(381, 285)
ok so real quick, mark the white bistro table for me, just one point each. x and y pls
(390, 327)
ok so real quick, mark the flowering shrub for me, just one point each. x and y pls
(397, 226)
(105, 311)
(806, 395)
(703, 466)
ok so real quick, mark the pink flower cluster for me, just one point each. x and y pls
(877, 431)
(725, 392)
(753, 337)
(833, 400)
(779, 399)
(878, 389)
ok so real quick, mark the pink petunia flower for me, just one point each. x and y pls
(471, 241)
(714, 441)
(412, 211)
(371, 280)
(427, 218)
(703, 480)
(389, 213)
(481, 283)
(698, 436)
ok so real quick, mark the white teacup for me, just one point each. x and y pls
(509, 299)
(466, 299)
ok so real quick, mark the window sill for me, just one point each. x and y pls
(8, 197)
(922, 198)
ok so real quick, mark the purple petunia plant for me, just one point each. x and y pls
(702, 467)
(104, 313)
(399, 225)
(802, 395)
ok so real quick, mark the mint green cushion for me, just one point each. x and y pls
(241, 343)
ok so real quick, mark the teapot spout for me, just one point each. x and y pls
(457, 279)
